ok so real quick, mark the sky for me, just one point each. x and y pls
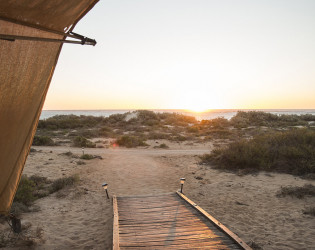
(196, 55)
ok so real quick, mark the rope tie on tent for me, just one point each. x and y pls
(83, 40)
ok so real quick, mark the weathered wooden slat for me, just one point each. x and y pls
(158, 238)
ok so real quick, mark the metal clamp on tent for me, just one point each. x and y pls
(83, 40)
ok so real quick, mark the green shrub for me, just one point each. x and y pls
(220, 133)
(105, 131)
(18, 208)
(60, 183)
(257, 118)
(35, 187)
(24, 193)
(42, 141)
(193, 129)
(219, 122)
(30, 189)
(39, 180)
(307, 117)
(179, 138)
(80, 141)
(163, 145)
(130, 141)
(89, 133)
(87, 157)
(291, 152)
(147, 115)
(70, 122)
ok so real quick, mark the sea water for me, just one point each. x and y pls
(207, 115)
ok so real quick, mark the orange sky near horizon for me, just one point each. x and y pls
(195, 55)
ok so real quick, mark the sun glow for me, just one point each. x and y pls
(198, 109)
(198, 101)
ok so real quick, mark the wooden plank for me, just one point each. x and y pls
(192, 243)
(115, 225)
(146, 196)
(232, 235)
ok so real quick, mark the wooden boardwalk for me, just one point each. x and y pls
(168, 221)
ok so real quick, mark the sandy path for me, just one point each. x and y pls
(120, 151)
(83, 219)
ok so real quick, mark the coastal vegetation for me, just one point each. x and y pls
(130, 141)
(250, 141)
(80, 141)
(298, 192)
(291, 151)
(43, 141)
(36, 187)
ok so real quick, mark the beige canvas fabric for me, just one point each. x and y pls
(26, 69)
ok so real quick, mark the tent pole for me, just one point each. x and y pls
(83, 40)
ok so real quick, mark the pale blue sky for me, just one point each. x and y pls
(197, 54)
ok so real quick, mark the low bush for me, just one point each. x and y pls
(163, 145)
(87, 133)
(257, 118)
(309, 211)
(193, 129)
(253, 118)
(130, 141)
(25, 191)
(80, 141)
(18, 208)
(63, 182)
(30, 189)
(70, 122)
(105, 131)
(157, 136)
(290, 152)
(69, 154)
(179, 138)
(35, 187)
(220, 133)
(219, 122)
(81, 163)
(299, 192)
(87, 157)
(43, 141)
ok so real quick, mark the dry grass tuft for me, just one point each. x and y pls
(309, 211)
(298, 192)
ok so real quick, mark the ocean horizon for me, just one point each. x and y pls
(206, 115)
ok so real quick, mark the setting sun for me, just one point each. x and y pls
(198, 109)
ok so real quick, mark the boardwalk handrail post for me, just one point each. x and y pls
(115, 225)
(182, 181)
(105, 185)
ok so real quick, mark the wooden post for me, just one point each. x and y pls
(107, 194)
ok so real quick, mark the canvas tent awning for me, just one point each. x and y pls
(26, 69)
